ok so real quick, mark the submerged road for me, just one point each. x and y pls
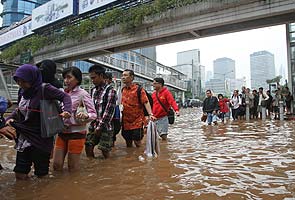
(235, 160)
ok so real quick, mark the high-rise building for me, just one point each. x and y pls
(224, 68)
(188, 62)
(262, 68)
(291, 58)
(15, 10)
(209, 75)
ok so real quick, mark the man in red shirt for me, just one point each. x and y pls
(133, 115)
(162, 94)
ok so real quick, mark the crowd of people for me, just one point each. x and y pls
(220, 107)
(89, 117)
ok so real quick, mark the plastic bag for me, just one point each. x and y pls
(81, 109)
(152, 141)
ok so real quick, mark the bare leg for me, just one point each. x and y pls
(73, 162)
(129, 143)
(106, 154)
(137, 143)
(20, 176)
(58, 159)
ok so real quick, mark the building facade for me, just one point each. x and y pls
(291, 58)
(15, 10)
(188, 62)
(224, 68)
(262, 68)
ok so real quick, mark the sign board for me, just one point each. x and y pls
(16, 33)
(88, 5)
(3, 87)
(52, 11)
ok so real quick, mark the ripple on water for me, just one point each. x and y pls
(235, 160)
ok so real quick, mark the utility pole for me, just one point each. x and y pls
(193, 84)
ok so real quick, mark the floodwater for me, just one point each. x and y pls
(236, 160)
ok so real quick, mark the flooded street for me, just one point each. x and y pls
(236, 160)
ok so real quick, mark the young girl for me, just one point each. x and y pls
(223, 106)
(72, 140)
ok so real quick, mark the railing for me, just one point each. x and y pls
(173, 77)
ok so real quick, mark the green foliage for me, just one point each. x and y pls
(128, 20)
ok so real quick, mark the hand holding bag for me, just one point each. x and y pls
(170, 112)
(51, 121)
(81, 110)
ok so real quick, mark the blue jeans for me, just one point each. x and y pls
(211, 118)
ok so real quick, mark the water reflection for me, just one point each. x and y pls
(235, 160)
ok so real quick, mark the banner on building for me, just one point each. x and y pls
(16, 33)
(88, 5)
(51, 12)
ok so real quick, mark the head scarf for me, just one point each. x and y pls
(30, 74)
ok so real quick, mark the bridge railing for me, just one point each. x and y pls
(147, 67)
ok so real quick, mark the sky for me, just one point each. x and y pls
(237, 46)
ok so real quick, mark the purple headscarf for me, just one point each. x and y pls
(30, 74)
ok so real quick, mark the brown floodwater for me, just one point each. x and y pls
(236, 160)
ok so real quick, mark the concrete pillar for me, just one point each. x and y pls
(263, 113)
(247, 111)
(183, 98)
(281, 106)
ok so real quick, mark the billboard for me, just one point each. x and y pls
(52, 11)
(87, 5)
(16, 33)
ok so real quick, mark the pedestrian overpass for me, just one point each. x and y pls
(201, 19)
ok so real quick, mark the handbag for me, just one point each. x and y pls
(170, 112)
(51, 121)
(204, 118)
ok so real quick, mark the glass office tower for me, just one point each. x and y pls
(15, 10)
(291, 57)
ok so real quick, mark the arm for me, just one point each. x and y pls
(216, 105)
(8, 132)
(172, 103)
(51, 92)
(266, 96)
(88, 103)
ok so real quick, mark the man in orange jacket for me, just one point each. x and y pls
(162, 101)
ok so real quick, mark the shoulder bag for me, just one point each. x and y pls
(51, 121)
(170, 112)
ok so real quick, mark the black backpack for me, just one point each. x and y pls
(148, 96)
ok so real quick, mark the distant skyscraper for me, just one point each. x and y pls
(224, 68)
(290, 28)
(188, 62)
(262, 68)
(15, 10)
(209, 75)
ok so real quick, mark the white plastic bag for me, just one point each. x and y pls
(152, 148)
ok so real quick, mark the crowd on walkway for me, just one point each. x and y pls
(90, 119)
(218, 107)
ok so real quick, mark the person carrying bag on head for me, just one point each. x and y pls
(163, 101)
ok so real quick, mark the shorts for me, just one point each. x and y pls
(162, 126)
(104, 142)
(73, 146)
(135, 134)
(32, 155)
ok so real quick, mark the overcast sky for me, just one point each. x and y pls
(237, 46)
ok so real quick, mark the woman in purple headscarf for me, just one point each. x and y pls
(30, 146)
